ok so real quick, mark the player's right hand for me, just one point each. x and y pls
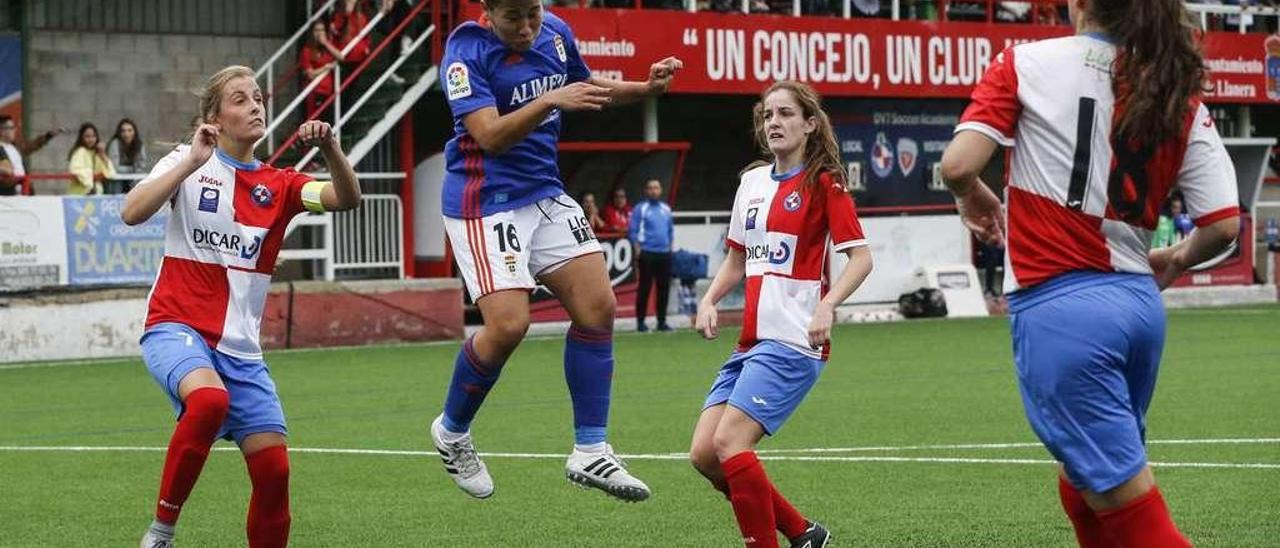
(202, 144)
(580, 96)
(981, 212)
(1166, 265)
(706, 321)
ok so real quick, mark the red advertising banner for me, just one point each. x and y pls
(733, 53)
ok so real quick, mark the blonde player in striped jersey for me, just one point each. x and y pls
(229, 214)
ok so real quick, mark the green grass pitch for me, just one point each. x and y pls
(894, 386)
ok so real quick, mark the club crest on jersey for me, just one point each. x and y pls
(792, 201)
(751, 218)
(261, 195)
(908, 152)
(457, 81)
(564, 57)
(510, 261)
(881, 156)
(209, 199)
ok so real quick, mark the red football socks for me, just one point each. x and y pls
(205, 409)
(1144, 522)
(790, 522)
(1090, 531)
(268, 523)
(751, 495)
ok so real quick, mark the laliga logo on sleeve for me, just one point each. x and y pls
(261, 195)
(458, 83)
(792, 201)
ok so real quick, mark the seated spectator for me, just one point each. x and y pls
(317, 60)
(128, 154)
(12, 170)
(88, 163)
(617, 215)
(592, 211)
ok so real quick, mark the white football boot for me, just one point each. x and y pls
(606, 472)
(461, 461)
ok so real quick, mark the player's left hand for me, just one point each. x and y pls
(1165, 265)
(661, 73)
(316, 133)
(820, 326)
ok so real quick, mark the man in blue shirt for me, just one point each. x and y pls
(652, 232)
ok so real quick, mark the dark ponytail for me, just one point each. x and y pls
(1158, 69)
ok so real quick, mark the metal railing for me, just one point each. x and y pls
(275, 120)
(371, 237)
(268, 69)
(339, 85)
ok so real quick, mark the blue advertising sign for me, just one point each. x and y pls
(891, 148)
(101, 249)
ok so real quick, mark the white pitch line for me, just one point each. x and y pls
(1013, 445)
(659, 457)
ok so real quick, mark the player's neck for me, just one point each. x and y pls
(1087, 26)
(240, 152)
(787, 163)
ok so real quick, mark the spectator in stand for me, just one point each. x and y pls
(592, 210)
(347, 23)
(652, 233)
(617, 215)
(88, 162)
(12, 170)
(317, 60)
(393, 13)
(129, 155)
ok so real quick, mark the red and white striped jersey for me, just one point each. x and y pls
(1077, 198)
(785, 233)
(227, 223)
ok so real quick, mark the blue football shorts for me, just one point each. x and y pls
(767, 382)
(172, 350)
(1087, 349)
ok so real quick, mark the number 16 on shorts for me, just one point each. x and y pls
(506, 250)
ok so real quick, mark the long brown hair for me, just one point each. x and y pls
(821, 152)
(1158, 68)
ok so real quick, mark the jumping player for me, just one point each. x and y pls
(507, 80)
(786, 217)
(229, 214)
(1102, 126)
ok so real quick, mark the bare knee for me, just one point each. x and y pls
(506, 331)
(704, 460)
(729, 443)
(598, 310)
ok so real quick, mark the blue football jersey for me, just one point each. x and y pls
(479, 72)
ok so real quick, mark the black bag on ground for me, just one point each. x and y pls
(925, 302)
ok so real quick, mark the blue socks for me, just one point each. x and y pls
(471, 383)
(588, 370)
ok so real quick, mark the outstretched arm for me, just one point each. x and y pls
(496, 133)
(344, 192)
(626, 92)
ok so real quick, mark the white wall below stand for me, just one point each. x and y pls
(101, 329)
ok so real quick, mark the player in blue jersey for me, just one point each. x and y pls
(507, 79)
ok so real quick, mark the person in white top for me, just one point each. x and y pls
(788, 216)
(1102, 126)
(13, 171)
(229, 214)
